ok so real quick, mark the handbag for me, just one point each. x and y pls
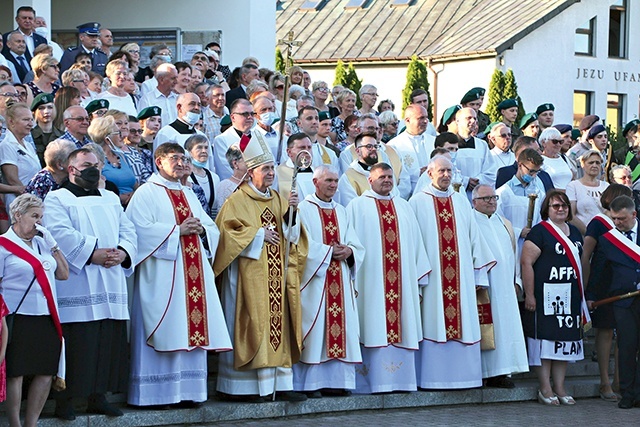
(487, 336)
(11, 317)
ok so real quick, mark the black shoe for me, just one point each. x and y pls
(290, 396)
(500, 382)
(244, 398)
(626, 403)
(98, 405)
(335, 392)
(64, 410)
(187, 404)
(313, 394)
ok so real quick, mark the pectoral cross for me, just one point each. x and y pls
(290, 43)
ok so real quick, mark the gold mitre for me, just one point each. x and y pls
(255, 151)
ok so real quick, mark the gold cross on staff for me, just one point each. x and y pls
(290, 43)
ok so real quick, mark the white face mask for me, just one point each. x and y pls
(191, 118)
(267, 118)
(42, 31)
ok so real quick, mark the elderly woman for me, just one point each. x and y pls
(389, 123)
(104, 132)
(65, 98)
(346, 102)
(47, 72)
(585, 193)
(198, 148)
(229, 185)
(44, 113)
(30, 262)
(95, 84)
(555, 163)
(554, 301)
(276, 87)
(621, 174)
(55, 172)
(80, 80)
(117, 72)
(184, 77)
(368, 96)
(18, 159)
(295, 92)
(386, 105)
(320, 92)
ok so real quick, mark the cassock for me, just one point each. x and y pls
(93, 301)
(329, 313)
(510, 354)
(176, 315)
(415, 152)
(449, 356)
(389, 287)
(262, 310)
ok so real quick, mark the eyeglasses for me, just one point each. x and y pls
(201, 58)
(54, 66)
(531, 171)
(134, 51)
(488, 199)
(280, 87)
(10, 95)
(99, 113)
(370, 146)
(80, 119)
(505, 135)
(78, 81)
(558, 206)
(393, 123)
(246, 115)
(175, 158)
(623, 178)
(323, 89)
(556, 141)
(135, 131)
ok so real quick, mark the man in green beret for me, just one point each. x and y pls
(509, 111)
(474, 99)
(44, 131)
(529, 125)
(545, 114)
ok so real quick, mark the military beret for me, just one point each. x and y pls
(588, 121)
(575, 134)
(491, 126)
(226, 120)
(149, 112)
(595, 130)
(472, 95)
(633, 124)
(43, 98)
(563, 128)
(324, 115)
(96, 104)
(449, 114)
(545, 107)
(507, 103)
(90, 28)
(527, 119)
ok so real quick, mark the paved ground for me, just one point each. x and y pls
(587, 412)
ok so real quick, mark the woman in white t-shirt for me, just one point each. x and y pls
(554, 163)
(584, 193)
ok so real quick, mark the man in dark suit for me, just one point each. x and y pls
(248, 73)
(88, 34)
(615, 270)
(505, 173)
(25, 18)
(16, 57)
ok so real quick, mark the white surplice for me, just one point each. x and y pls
(477, 163)
(387, 367)
(415, 152)
(510, 354)
(448, 363)
(315, 369)
(165, 368)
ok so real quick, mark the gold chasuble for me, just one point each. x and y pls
(391, 269)
(336, 339)
(194, 278)
(268, 322)
(450, 266)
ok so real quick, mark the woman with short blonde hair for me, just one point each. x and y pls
(46, 73)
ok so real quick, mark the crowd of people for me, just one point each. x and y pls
(153, 214)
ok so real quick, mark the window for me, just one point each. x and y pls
(581, 106)
(618, 29)
(615, 113)
(311, 6)
(357, 4)
(585, 35)
(401, 3)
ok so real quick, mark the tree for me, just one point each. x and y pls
(496, 95)
(347, 77)
(511, 92)
(417, 78)
(280, 68)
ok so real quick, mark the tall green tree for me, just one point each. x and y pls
(348, 77)
(511, 92)
(496, 95)
(279, 61)
(417, 78)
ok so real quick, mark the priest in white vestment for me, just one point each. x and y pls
(510, 353)
(296, 143)
(309, 123)
(389, 285)
(176, 315)
(330, 327)
(100, 245)
(450, 352)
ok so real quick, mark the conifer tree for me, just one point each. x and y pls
(417, 78)
(496, 95)
(511, 92)
(347, 77)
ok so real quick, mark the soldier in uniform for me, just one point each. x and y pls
(509, 111)
(545, 114)
(474, 98)
(89, 37)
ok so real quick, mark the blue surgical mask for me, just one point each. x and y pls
(453, 155)
(267, 118)
(527, 178)
(165, 57)
(192, 118)
(198, 164)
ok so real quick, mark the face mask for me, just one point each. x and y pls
(112, 146)
(526, 178)
(165, 57)
(191, 118)
(453, 155)
(267, 118)
(198, 164)
(89, 178)
(42, 31)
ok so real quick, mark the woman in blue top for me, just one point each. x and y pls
(104, 132)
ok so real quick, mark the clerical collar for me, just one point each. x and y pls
(323, 204)
(78, 191)
(242, 133)
(466, 143)
(182, 128)
(306, 170)
(437, 192)
(157, 178)
(378, 196)
(364, 166)
(260, 193)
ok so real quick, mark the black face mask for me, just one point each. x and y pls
(89, 178)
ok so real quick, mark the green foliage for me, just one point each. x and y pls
(279, 61)
(511, 92)
(347, 77)
(417, 78)
(496, 95)
(616, 139)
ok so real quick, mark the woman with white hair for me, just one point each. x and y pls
(295, 92)
(389, 123)
(555, 163)
(56, 157)
(368, 97)
(118, 72)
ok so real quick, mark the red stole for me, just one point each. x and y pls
(274, 261)
(449, 266)
(41, 277)
(334, 291)
(391, 268)
(626, 246)
(193, 274)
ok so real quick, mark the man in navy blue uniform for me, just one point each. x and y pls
(25, 18)
(89, 36)
(615, 270)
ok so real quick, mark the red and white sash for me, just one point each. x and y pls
(627, 246)
(574, 258)
(605, 220)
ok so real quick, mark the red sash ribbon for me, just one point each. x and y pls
(449, 266)
(391, 269)
(334, 291)
(621, 242)
(41, 277)
(274, 279)
(604, 220)
(195, 293)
